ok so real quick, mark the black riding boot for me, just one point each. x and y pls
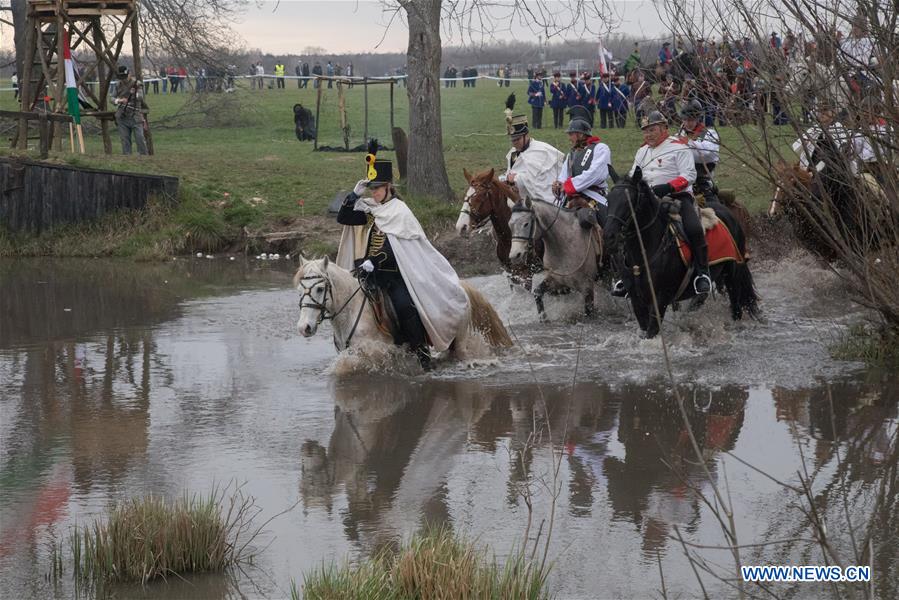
(702, 282)
(414, 333)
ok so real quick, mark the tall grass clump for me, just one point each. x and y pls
(434, 565)
(151, 537)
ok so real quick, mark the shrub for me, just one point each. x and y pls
(434, 565)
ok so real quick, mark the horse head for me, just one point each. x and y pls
(523, 224)
(314, 285)
(485, 198)
(629, 196)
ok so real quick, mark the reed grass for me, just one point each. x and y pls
(434, 565)
(153, 537)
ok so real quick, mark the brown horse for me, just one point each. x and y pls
(487, 200)
(831, 216)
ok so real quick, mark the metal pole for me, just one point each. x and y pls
(365, 84)
(318, 105)
(391, 107)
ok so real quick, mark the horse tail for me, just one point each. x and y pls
(485, 320)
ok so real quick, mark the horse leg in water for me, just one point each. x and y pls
(538, 298)
(655, 325)
(645, 313)
(589, 309)
(641, 311)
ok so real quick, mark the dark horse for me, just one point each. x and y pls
(304, 123)
(634, 214)
(831, 213)
(487, 200)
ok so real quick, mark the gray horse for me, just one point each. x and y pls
(571, 257)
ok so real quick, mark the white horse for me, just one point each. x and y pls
(328, 291)
(570, 254)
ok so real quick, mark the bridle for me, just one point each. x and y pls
(322, 307)
(521, 208)
(629, 225)
(630, 229)
(477, 220)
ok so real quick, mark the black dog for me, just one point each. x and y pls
(305, 123)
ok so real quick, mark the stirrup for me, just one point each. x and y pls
(702, 284)
(618, 289)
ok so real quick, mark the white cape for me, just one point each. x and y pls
(433, 284)
(535, 170)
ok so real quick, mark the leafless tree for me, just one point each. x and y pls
(817, 120)
(470, 21)
(192, 30)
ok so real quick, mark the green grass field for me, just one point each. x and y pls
(241, 164)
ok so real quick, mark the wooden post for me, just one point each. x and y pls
(44, 128)
(318, 105)
(25, 91)
(365, 86)
(103, 89)
(341, 109)
(80, 133)
(138, 76)
(60, 99)
(391, 107)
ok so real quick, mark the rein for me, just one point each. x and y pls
(638, 230)
(625, 233)
(324, 313)
(544, 230)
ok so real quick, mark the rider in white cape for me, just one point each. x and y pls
(383, 239)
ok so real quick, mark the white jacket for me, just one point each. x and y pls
(669, 162)
(535, 170)
(706, 147)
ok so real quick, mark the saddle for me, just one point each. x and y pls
(385, 314)
(720, 242)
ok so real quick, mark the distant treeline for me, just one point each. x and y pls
(520, 54)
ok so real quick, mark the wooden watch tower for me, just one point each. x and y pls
(97, 29)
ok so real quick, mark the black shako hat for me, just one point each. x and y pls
(517, 126)
(383, 173)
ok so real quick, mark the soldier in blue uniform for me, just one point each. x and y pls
(558, 101)
(587, 92)
(572, 97)
(604, 102)
(536, 98)
(620, 101)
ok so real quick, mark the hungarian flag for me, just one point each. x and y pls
(71, 85)
(604, 57)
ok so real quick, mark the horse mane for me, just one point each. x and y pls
(488, 178)
(298, 276)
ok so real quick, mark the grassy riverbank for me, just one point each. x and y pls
(243, 172)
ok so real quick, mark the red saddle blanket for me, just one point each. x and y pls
(722, 246)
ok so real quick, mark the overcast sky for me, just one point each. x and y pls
(357, 26)
(351, 26)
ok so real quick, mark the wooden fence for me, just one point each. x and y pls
(37, 196)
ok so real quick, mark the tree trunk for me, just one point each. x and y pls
(20, 20)
(427, 171)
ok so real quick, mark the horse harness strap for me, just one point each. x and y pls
(324, 314)
(530, 237)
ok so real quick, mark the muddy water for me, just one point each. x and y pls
(119, 379)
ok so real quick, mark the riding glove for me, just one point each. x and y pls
(663, 189)
(367, 266)
(361, 186)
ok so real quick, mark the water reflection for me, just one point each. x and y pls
(393, 445)
(147, 385)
